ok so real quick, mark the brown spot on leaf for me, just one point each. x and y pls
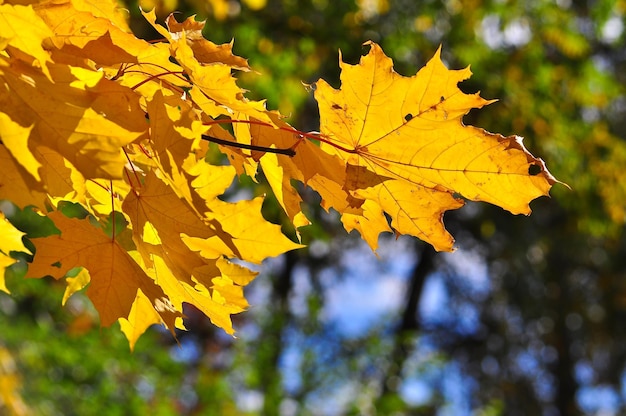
(534, 170)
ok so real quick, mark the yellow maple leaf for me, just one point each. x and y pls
(235, 272)
(218, 300)
(407, 132)
(174, 141)
(95, 34)
(10, 240)
(142, 315)
(210, 181)
(24, 32)
(208, 66)
(115, 277)
(222, 297)
(189, 239)
(53, 173)
(60, 178)
(158, 216)
(108, 9)
(93, 117)
(205, 51)
(80, 33)
(5, 261)
(17, 185)
(75, 284)
(216, 82)
(105, 196)
(209, 69)
(243, 232)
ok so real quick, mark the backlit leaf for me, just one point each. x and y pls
(408, 131)
(114, 276)
(205, 51)
(24, 32)
(81, 33)
(142, 315)
(17, 185)
(11, 241)
(75, 284)
(94, 117)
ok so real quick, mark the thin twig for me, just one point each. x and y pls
(289, 152)
(112, 212)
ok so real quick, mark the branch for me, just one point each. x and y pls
(289, 152)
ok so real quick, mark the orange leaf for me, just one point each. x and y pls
(115, 277)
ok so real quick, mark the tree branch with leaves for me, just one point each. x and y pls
(92, 115)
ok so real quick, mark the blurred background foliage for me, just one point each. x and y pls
(528, 317)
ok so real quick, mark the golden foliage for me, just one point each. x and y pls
(94, 116)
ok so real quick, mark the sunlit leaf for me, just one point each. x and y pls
(408, 131)
(114, 276)
(24, 32)
(75, 284)
(94, 117)
(11, 241)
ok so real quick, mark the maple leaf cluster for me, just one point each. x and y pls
(94, 116)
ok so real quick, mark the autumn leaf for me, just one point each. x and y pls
(188, 239)
(208, 67)
(142, 315)
(75, 284)
(97, 32)
(216, 82)
(94, 117)
(218, 300)
(80, 33)
(174, 143)
(108, 9)
(408, 132)
(11, 241)
(205, 51)
(115, 277)
(242, 229)
(184, 249)
(23, 32)
(5, 262)
(16, 184)
(158, 217)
